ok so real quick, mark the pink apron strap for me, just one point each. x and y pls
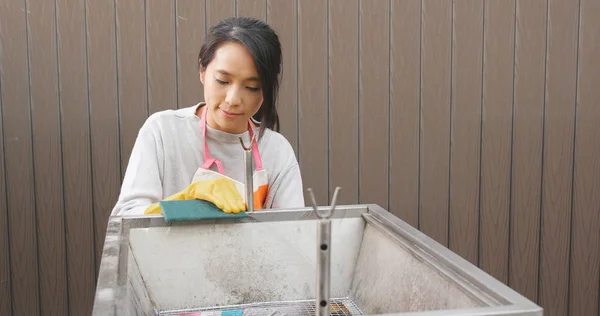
(208, 161)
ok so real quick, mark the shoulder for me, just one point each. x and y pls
(276, 147)
(165, 120)
(275, 140)
(171, 116)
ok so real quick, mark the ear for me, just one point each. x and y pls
(202, 74)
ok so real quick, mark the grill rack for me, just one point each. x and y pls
(338, 307)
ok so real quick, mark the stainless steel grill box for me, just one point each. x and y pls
(265, 264)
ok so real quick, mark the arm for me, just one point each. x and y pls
(142, 184)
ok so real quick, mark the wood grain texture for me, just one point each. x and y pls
(533, 91)
(312, 98)
(131, 72)
(585, 253)
(405, 78)
(161, 53)
(191, 27)
(496, 131)
(436, 86)
(47, 158)
(79, 217)
(465, 157)
(216, 10)
(5, 286)
(252, 8)
(104, 115)
(343, 99)
(283, 18)
(374, 101)
(561, 74)
(18, 158)
(530, 49)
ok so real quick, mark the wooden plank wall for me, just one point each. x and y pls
(476, 121)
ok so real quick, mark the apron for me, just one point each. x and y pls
(260, 180)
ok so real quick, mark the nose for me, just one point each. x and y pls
(234, 96)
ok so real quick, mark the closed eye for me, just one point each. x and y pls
(221, 82)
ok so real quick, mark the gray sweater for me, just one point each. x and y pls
(169, 149)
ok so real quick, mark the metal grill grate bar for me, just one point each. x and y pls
(338, 307)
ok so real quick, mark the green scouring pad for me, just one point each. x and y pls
(192, 210)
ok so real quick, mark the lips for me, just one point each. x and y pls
(228, 114)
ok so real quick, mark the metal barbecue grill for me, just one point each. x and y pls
(328, 260)
(268, 263)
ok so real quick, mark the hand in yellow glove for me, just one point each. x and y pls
(221, 192)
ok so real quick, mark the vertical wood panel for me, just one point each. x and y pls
(530, 48)
(216, 10)
(131, 62)
(405, 61)
(312, 103)
(343, 99)
(79, 218)
(496, 136)
(374, 101)
(465, 156)
(18, 158)
(5, 286)
(191, 22)
(539, 136)
(283, 18)
(252, 8)
(585, 254)
(104, 111)
(561, 73)
(47, 157)
(161, 53)
(436, 75)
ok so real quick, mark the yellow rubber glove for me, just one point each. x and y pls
(221, 192)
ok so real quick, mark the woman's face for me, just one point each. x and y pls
(232, 88)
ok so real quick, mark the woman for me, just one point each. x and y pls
(195, 152)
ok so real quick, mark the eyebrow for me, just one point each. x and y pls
(228, 74)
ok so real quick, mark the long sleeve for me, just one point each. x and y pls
(142, 184)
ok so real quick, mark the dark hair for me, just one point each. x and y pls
(263, 44)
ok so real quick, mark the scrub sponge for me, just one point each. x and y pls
(235, 312)
(192, 210)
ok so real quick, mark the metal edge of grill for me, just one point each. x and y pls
(338, 306)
